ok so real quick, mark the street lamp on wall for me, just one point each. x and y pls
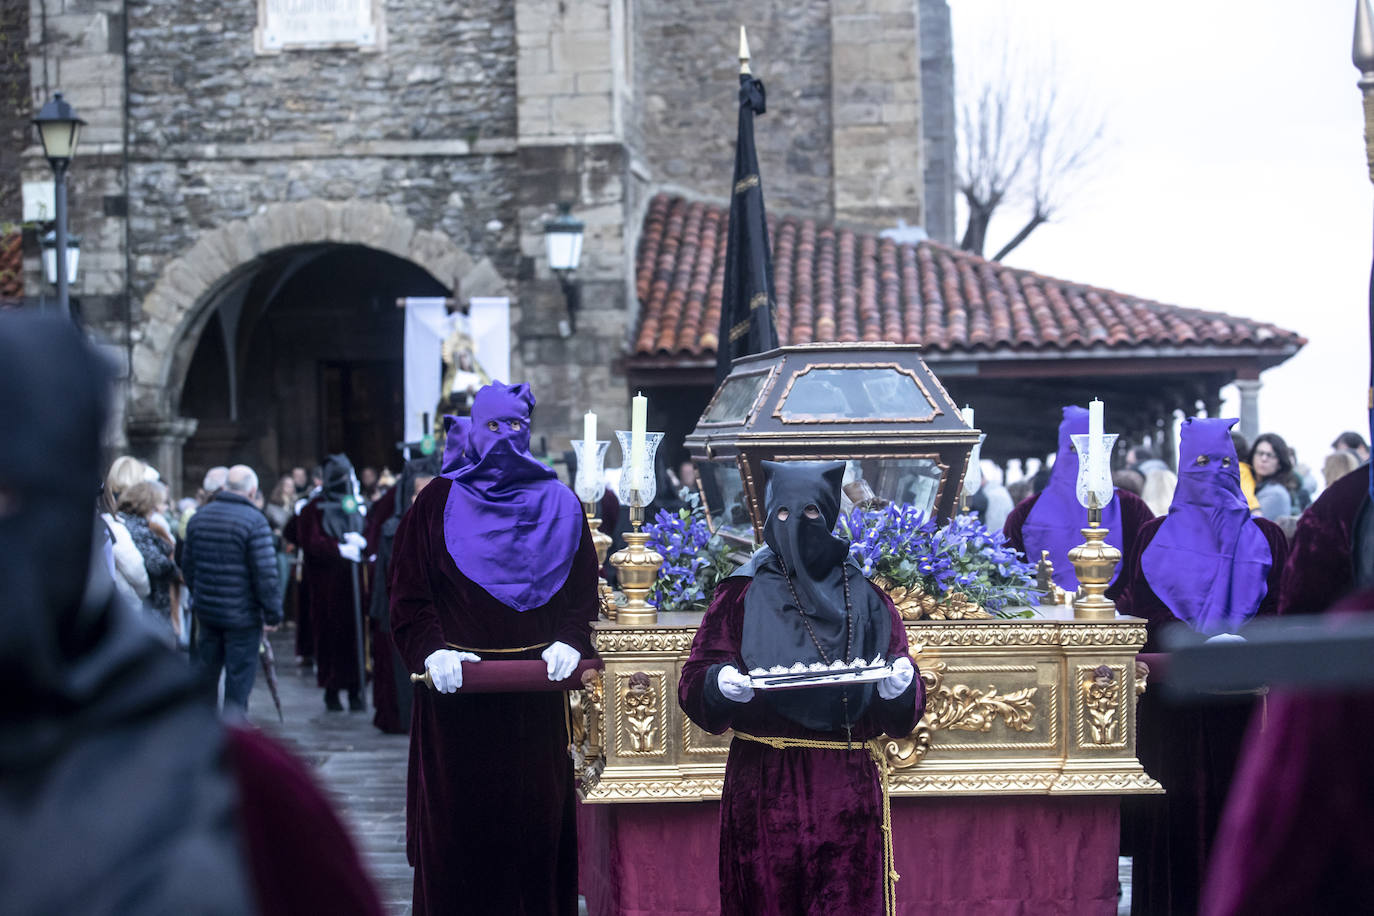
(50, 257)
(563, 245)
(60, 130)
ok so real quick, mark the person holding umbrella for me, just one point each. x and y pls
(329, 532)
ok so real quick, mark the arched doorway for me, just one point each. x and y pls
(300, 358)
(225, 282)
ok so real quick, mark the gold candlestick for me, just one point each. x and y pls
(602, 541)
(1094, 561)
(638, 567)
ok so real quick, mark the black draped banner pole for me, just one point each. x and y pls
(746, 312)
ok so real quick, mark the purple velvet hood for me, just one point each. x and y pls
(510, 525)
(1208, 562)
(1057, 519)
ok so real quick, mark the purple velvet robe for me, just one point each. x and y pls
(1191, 748)
(800, 829)
(299, 855)
(1319, 573)
(328, 580)
(1134, 513)
(1296, 837)
(490, 818)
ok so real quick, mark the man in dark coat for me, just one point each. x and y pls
(230, 564)
(120, 790)
(329, 532)
(494, 560)
(801, 811)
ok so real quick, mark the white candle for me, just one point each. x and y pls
(589, 435)
(639, 423)
(968, 416)
(1096, 457)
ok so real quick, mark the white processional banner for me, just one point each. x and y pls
(427, 327)
(490, 321)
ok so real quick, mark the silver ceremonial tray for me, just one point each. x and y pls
(866, 674)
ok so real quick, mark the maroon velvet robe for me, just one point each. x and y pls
(386, 713)
(1319, 570)
(490, 818)
(1134, 513)
(329, 584)
(1296, 835)
(1191, 748)
(800, 829)
(300, 858)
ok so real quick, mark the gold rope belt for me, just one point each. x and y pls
(879, 758)
(518, 649)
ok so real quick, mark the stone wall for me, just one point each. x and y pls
(16, 132)
(937, 114)
(687, 78)
(447, 73)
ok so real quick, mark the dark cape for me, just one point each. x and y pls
(328, 581)
(490, 818)
(1295, 836)
(1191, 748)
(391, 690)
(800, 829)
(1319, 571)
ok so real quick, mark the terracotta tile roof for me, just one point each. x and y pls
(836, 284)
(11, 267)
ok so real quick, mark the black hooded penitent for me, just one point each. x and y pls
(339, 501)
(113, 793)
(807, 603)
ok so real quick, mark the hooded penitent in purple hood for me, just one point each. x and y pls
(1057, 519)
(455, 445)
(510, 525)
(1208, 562)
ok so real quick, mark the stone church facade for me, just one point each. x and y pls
(248, 207)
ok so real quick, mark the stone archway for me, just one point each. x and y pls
(188, 287)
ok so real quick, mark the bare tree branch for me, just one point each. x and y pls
(1022, 145)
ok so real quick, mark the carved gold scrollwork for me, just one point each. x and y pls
(1102, 705)
(917, 604)
(959, 707)
(1142, 674)
(586, 708)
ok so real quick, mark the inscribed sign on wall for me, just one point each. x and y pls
(285, 25)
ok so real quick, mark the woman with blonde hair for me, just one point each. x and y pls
(137, 505)
(1158, 491)
(131, 576)
(1338, 464)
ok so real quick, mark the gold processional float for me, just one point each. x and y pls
(1042, 705)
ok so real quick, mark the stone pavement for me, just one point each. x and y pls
(362, 770)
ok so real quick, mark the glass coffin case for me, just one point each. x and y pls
(877, 407)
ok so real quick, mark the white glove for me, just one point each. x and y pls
(350, 552)
(561, 659)
(1226, 637)
(899, 680)
(446, 669)
(733, 685)
(356, 539)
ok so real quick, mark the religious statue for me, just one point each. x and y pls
(463, 374)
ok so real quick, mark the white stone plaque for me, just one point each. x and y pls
(289, 25)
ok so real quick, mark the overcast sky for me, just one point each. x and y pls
(1235, 177)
